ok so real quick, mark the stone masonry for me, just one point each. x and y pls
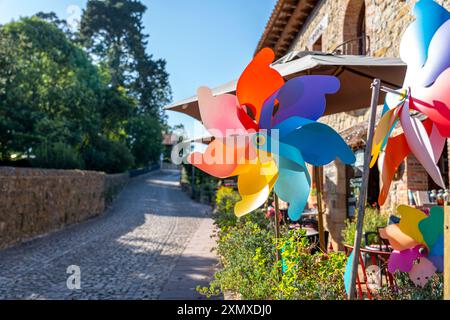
(34, 202)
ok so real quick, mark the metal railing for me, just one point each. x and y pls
(359, 46)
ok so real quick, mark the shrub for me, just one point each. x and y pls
(108, 156)
(406, 290)
(373, 219)
(250, 266)
(57, 156)
(226, 199)
(248, 255)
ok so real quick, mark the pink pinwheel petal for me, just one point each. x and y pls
(221, 115)
(422, 272)
(437, 142)
(419, 142)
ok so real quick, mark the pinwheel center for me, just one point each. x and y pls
(260, 140)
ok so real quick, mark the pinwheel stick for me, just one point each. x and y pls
(318, 181)
(376, 86)
(447, 254)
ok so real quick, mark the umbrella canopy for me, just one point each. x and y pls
(356, 74)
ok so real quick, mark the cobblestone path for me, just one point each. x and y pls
(127, 253)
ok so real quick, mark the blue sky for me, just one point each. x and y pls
(205, 42)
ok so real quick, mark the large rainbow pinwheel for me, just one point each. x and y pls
(266, 133)
(424, 48)
(418, 241)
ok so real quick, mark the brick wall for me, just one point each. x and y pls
(34, 202)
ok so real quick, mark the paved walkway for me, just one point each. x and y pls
(152, 236)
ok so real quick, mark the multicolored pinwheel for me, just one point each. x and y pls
(424, 48)
(266, 133)
(418, 241)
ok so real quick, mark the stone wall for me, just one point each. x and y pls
(34, 202)
(114, 183)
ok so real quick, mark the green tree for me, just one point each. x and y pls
(50, 90)
(144, 136)
(112, 31)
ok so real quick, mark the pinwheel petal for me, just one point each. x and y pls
(422, 272)
(293, 187)
(437, 142)
(432, 227)
(305, 97)
(223, 160)
(290, 125)
(396, 151)
(398, 240)
(331, 144)
(438, 58)
(437, 254)
(265, 121)
(258, 82)
(409, 223)
(221, 114)
(403, 261)
(255, 186)
(434, 102)
(348, 272)
(382, 131)
(419, 142)
(415, 43)
(272, 145)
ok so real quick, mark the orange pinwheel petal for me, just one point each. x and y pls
(258, 82)
(397, 150)
(222, 160)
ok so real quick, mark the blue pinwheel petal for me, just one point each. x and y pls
(305, 97)
(293, 157)
(265, 121)
(437, 254)
(430, 16)
(348, 272)
(320, 144)
(290, 125)
(293, 187)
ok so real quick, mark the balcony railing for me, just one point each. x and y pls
(358, 46)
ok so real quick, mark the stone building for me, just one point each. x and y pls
(350, 27)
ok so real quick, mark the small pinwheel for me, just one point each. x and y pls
(418, 241)
(424, 48)
(266, 133)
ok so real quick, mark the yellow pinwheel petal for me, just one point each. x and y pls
(383, 129)
(255, 186)
(409, 223)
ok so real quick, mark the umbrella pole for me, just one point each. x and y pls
(447, 254)
(318, 181)
(376, 85)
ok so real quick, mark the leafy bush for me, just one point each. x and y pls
(248, 256)
(108, 156)
(308, 276)
(57, 156)
(226, 199)
(373, 219)
(250, 266)
(406, 290)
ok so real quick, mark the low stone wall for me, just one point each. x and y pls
(114, 183)
(34, 202)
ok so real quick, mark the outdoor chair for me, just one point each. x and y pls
(373, 272)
